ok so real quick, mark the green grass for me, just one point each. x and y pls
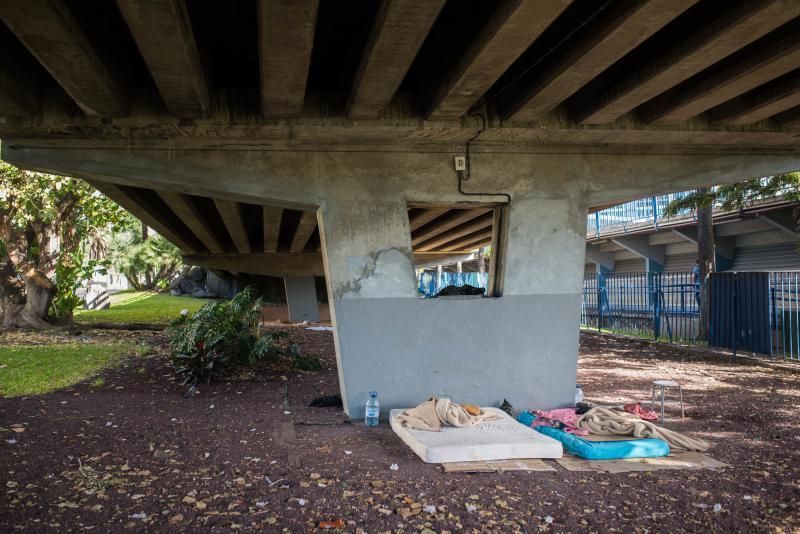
(37, 369)
(140, 307)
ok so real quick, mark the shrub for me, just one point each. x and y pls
(221, 336)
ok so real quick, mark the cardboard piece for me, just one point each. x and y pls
(498, 466)
(679, 460)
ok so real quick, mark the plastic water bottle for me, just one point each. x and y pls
(578, 394)
(373, 410)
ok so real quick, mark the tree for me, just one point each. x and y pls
(729, 197)
(737, 196)
(45, 223)
(147, 260)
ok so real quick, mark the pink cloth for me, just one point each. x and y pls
(566, 416)
(643, 413)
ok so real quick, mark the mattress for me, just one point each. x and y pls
(499, 439)
(607, 450)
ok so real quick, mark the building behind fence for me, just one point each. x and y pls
(666, 306)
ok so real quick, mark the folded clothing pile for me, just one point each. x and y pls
(609, 422)
(567, 426)
(435, 412)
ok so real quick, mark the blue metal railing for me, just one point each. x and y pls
(784, 297)
(429, 284)
(655, 305)
(665, 306)
(648, 210)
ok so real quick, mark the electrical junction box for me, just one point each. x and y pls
(460, 163)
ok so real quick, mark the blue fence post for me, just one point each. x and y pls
(601, 287)
(655, 212)
(597, 223)
(654, 280)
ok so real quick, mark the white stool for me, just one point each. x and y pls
(663, 384)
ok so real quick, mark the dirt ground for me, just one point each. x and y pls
(135, 454)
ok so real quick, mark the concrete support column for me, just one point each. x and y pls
(602, 269)
(371, 292)
(521, 346)
(301, 298)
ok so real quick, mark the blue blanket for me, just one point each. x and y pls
(601, 450)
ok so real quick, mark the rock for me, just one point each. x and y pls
(187, 286)
(175, 292)
(196, 274)
(201, 293)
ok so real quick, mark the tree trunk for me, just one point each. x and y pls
(24, 305)
(705, 257)
(12, 296)
(39, 293)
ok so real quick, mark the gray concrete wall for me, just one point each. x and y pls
(301, 298)
(521, 346)
(472, 350)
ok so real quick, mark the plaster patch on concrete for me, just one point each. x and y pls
(376, 275)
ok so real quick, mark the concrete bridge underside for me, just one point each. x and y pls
(299, 137)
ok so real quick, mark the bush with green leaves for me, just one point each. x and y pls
(224, 335)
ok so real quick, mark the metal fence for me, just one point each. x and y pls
(665, 307)
(784, 298)
(429, 284)
(661, 306)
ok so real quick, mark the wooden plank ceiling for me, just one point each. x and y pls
(227, 233)
(593, 62)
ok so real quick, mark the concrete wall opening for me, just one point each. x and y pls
(459, 245)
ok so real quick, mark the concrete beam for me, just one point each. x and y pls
(443, 224)
(509, 32)
(731, 29)
(50, 32)
(272, 228)
(788, 118)
(469, 242)
(421, 216)
(137, 208)
(279, 265)
(617, 30)
(285, 39)
(760, 103)
(481, 223)
(605, 260)
(19, 84)
(689, 233)
(398, 32)
(781, 220)
(301, 298)
(308, 222)
(163, 33)
(231, 214)
(427, 260)
(640, 245)
(776, 58)
(187, 212)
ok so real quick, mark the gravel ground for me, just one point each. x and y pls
(137, 455)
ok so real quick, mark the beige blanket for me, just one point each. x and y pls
(606, 421)
(433, 413)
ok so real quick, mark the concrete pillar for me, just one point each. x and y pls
(521, 346)
(602, 269)
(301, 297)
